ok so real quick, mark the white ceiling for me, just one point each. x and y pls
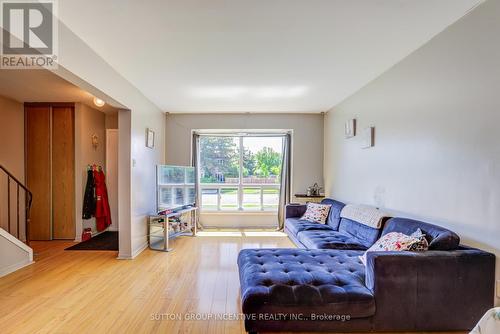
(255, 55)
(44, 86)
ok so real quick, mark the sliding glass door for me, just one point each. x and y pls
(240, 173)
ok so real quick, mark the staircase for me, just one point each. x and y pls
(15, 252)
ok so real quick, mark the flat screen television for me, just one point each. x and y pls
(176, 187)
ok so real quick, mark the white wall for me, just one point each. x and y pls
(437, 119)
(80, 65)
(12, 158)
(307, 152)
(14, 254)
(112, 121)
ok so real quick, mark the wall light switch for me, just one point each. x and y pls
(134, 163)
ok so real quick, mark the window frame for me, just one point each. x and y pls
(240, 185)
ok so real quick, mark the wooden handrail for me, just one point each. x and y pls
(28, 203)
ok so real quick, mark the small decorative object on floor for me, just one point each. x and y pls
(86, 234)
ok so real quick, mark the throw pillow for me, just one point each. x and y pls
(393, 241)
(422, 244)
(316, 212)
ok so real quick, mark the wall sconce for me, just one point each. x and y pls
(95, 141)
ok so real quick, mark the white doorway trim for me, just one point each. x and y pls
(112, 175)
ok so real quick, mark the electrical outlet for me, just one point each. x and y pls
(498, 288)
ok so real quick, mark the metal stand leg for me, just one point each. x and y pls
(194, 223)
(166, 236)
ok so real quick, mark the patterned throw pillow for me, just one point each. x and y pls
(316, 212)
(393, 241)
(422, 244)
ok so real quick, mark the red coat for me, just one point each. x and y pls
(102, 211)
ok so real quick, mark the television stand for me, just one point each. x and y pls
(162, 228)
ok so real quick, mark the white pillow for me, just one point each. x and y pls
(393, 241)
(316, 212)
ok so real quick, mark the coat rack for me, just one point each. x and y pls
(94, 167)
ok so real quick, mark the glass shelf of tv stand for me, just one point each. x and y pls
(161, 230)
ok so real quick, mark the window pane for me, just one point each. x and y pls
(219, 159)
(190, 175)
(209, 199)
(166, 197)
(251, 199)
(229, 199)
(171, 175)
(179, 196)
(262, 160)
(190, 195)
(271, 199)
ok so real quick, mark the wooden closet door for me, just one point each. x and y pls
(38, 170)
(63, 173)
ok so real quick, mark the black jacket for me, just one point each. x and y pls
(89, 201)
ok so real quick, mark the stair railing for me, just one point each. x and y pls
(28, 198)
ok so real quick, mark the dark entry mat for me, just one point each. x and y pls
(107, 241)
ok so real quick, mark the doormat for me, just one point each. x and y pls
(106, 241)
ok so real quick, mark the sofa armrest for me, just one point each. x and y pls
(432, 290)
(295, 210)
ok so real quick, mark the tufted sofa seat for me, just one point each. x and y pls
(297, 225)
(321, 239)
(337, 233)
(330, 281)
(294, 225)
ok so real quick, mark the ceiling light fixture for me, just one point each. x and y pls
(98, 102)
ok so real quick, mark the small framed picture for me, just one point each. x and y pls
(368, 137)
(350, 128)
(150, 138)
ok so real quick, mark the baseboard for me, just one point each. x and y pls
(139, 250)
(239, 227)
(134, 253)
(14, 267)
(124, 257)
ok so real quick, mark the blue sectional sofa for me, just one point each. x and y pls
(324, 286)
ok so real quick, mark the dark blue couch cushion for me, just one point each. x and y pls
(295, 210)
(329, 240)
(334, 215)
(296, 225)
(438, 237)
(300, 279)
(365, 235)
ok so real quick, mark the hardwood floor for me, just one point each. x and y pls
(93, 292)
